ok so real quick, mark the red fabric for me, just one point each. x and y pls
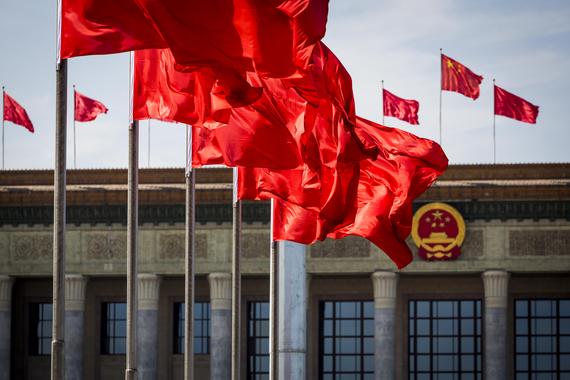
(458, 78)
(403, 109)
(514, 107)
(105, 27)
(15, 113)
(87, 109)
(405, 167)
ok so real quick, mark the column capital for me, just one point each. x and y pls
(75, 292)
(220, 291)
(496, 284)
(385, 285)
(6, 292)
(148, 291)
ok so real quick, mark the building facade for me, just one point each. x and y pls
(500, 310)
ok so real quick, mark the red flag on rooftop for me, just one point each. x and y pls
(403, 109)
(87, 109)
(514, 107)
(15, 113)
(458, 78)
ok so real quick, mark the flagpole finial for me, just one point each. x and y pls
(440, 50)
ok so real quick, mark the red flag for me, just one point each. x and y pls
(87, 109)
(15, 113)
(514, 107)
(405, 167)
(458, 78)
(403, 109)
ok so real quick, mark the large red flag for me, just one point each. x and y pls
(15, 113)
(458, 78)
(514, 107)
(403, 109)
(87, 109)
(404, 168)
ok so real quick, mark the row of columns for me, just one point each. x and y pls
(292, 333)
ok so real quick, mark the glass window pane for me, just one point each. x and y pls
(467, 309)
(422, 309)
(445, 309)
(564, 308)
(423, 326)
(521, 326)
(521, 308)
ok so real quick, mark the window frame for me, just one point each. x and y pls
(104, 348)
(34, 319)
(178, 340)
(251, 339)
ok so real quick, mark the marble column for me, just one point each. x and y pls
(385, 285)
(292, 314)
(5, 320)
(220, 325)
(74, 325)
(496, 284)
(147, 334)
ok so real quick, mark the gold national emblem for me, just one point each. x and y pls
(438, 231)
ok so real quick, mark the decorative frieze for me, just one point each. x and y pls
(105, 245)
(75, 285)
(255, 244)
(351, 246)
(220, 291)
(172, 245)
(148, 291)
(385, 289)
(539, 242)
(32, 247)
(496, 284)
(6, 292)
(473, 245)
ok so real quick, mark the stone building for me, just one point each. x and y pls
(500, 310)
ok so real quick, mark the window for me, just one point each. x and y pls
(113, 328)
(542, 339)
(258, 340)
(40, 328)
(201, 328)
(346, 340)
(444, 340)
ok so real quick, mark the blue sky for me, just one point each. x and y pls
(525, 45)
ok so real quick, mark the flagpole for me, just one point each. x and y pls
(494, 130)
(3, 105)
(148, 148)
(273, 300)
(132, 239)
(383, 102)
(59, 203)
(74, 141)
(236, 279)
(189, 262)
(440, 93)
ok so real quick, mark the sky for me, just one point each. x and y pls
(524, 44)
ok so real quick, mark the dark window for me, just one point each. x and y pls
(40, 328)
(201, 328)
(113, 328)
(542, 339)
(258, 340)
(346, 340)
(444, 340)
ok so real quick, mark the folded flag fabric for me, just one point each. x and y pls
(458, 78)
(514, 107)
(403, 109)
(87, 109)
(15, 113)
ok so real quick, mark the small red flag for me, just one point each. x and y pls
(16, 113)
(403, 109)
(458, 78)
(87, 109)
(514, 107)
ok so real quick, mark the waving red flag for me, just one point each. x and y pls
(514, 107)
(16, 113)
(405, 167)
(403, 109)
(87, 109)
(458, 78)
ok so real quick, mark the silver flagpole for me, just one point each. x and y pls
(132, 239)
(236, 280)
(383, 102)
(74, 141)
(440, 92)
(59, 184)
(494, 133)
(3, 147)
(189, 261)
(273, 301)
(148, 148)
